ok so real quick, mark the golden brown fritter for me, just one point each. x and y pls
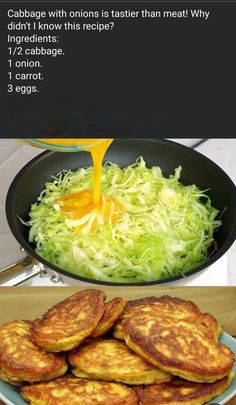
(113, 310)
(211, 324)
(68, 323)
(112, 360)
(178, 347)
(163, 306)
(22, 361)
(74, 391)
(180, 392)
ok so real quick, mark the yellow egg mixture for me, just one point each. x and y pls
(89, 208)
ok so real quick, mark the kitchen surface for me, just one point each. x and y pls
(14, 155)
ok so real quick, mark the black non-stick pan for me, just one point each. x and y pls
(196, 168)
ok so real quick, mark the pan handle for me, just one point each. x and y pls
(19, 271)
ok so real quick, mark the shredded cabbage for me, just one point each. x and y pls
(166, 230)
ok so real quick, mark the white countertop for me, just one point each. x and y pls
(14, 155)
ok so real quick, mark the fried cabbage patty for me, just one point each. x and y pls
(163, 306)
(110, 359)
(113, 310)
(181, 348)
(68, 323)
(75, 391)
(180, 392)
(22, 361)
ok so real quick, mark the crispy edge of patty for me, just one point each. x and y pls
(10, 379)
(148, 378)
(135, 370)
(41, 393)
(204, 392)
(211, 323)
(17, 372)
(192, 372)
(113, 310)
(64, 340)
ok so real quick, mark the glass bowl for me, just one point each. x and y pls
(45, 144)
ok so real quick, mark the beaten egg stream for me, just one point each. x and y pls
(89, 209)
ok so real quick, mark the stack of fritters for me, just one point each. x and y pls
(148, 351)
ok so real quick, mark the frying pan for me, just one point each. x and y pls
(196, 168)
